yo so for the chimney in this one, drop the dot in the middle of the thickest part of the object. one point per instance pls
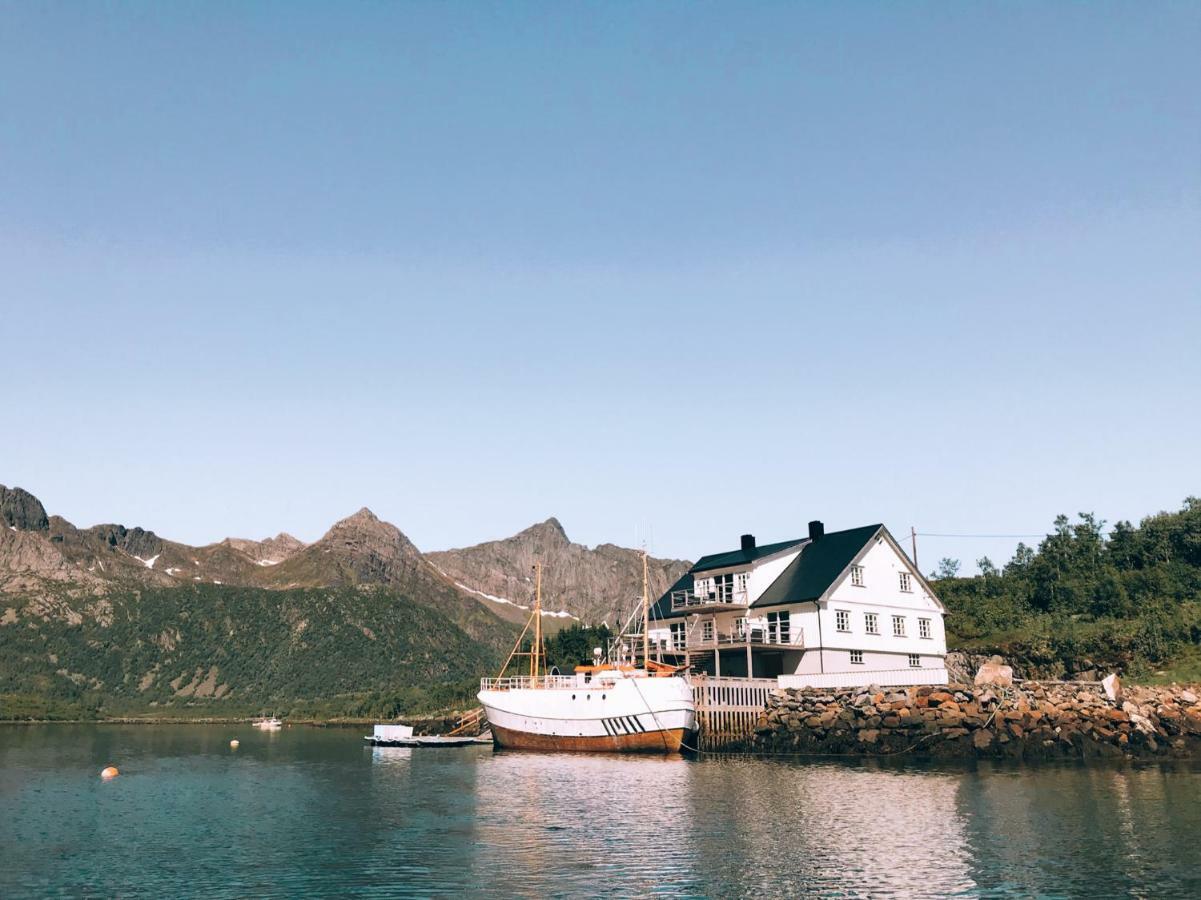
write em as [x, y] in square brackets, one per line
[816, 530]
[748, 543]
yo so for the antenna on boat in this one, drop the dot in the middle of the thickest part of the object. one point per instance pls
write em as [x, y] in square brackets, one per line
[646, 617]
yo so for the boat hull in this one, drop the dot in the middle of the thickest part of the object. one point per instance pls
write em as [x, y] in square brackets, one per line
[615, 714]
[668, 741]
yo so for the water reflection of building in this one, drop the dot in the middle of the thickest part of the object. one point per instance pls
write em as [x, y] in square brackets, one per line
[834, 829]
[573, 824]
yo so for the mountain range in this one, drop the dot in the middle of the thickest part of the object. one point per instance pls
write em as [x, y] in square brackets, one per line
[123, 615]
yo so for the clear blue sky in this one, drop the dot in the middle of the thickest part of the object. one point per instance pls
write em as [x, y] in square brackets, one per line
[685, 270]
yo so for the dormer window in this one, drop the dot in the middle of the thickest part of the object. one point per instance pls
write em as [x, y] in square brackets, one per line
[857, 576]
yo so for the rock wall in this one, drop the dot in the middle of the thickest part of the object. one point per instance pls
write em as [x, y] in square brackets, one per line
[1030, 721]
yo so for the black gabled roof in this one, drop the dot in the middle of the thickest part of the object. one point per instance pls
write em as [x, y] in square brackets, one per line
[818, 565]
[740, 557]
[807, 577]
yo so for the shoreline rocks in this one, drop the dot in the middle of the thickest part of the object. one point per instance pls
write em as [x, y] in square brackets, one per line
[1030, 720]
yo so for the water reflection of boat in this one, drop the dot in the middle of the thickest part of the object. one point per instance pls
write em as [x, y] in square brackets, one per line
[610, 707]
[391, 755]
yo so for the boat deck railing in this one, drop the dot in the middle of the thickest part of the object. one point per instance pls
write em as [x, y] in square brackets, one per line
[521, 682]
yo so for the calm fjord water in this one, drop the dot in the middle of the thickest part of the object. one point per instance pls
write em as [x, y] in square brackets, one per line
[313, 812]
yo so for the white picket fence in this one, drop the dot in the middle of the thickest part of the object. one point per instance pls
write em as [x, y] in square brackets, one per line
[862, 678]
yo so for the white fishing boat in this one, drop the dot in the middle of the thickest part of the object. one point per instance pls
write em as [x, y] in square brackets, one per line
[271, 724]
[607, 707]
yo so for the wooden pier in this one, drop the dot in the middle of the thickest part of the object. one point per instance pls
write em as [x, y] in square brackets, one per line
[727, 710]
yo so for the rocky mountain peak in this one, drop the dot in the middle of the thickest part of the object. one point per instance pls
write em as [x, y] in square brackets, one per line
[285, 541]
[135, 541]
[551, 531]
[593, 584]
[362, 521]
[21, 510]
[268, 551]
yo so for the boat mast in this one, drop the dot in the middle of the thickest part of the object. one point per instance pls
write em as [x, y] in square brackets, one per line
[646, 618]
[536, 650]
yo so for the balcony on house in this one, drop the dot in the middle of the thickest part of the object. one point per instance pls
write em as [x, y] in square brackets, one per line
[719, 595]
[705, 635]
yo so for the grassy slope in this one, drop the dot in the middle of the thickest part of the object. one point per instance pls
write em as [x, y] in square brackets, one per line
[322, 648]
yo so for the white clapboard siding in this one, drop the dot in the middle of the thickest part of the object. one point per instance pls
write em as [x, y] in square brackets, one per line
[862, 678]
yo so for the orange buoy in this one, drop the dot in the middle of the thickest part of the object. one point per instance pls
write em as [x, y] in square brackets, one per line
[109, 772]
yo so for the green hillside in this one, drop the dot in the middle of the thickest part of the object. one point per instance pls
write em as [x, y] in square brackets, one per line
[1085, 599]
[222, 650]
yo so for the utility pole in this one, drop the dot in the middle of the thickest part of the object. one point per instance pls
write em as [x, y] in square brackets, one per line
[913, 537]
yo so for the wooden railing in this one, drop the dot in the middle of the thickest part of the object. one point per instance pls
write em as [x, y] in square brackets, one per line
[720, 597]
[727, 709]
[474, 721]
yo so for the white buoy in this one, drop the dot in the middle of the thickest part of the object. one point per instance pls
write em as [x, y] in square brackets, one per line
[234, 743]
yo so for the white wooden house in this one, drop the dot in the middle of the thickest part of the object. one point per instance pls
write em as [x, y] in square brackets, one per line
[830, 610]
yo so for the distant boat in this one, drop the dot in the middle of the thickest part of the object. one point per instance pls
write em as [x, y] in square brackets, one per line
[271, 724]
[604, 708]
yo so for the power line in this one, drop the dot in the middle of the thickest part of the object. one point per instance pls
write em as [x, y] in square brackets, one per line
[1041, 534]
[933, 534]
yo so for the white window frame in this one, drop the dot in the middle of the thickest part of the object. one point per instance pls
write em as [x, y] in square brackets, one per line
[707, 630]
[857, 576]
[898, 626]
[871, 622]
[906, 582]
[723, 586]
[854, 654]
[842, 620]
[915, 661]
[741, 580]
[924, 629]
[779, 628]
[742, 627]
[679, 635]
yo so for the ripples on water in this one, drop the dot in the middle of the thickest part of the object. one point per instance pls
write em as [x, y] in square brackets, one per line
[311, 811]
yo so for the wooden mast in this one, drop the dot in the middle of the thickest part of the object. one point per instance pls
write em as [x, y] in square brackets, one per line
[536, 650]
[646, 618]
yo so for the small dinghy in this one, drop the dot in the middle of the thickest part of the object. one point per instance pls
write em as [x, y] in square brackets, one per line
[402, 736]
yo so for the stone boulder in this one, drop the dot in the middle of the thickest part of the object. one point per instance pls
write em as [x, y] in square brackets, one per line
[1112, 685]
[995, 672]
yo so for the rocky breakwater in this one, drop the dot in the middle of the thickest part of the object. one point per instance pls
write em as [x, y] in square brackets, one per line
[1031, 720]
